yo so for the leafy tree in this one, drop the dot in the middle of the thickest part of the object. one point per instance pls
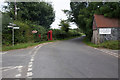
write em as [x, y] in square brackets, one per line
[40, 13]
[6, 32]
[64, 25]
[82, 13]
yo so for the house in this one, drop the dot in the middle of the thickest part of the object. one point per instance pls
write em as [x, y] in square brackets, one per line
[105, 29]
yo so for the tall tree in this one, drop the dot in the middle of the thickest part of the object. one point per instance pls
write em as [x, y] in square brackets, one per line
[82, 13]
[40, 13]
[64, 25]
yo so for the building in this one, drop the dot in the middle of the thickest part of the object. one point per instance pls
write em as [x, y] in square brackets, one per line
[105, 29]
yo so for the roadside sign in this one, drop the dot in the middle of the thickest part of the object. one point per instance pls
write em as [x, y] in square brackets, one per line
[10, 26]
[34, 31]
[15, 27]
[105, 31]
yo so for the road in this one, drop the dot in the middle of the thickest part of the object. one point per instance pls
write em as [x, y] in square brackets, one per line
[61, 59]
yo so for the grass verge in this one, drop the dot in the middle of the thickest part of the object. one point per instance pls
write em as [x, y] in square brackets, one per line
[114, 45]
[22, 45]
[26, 45]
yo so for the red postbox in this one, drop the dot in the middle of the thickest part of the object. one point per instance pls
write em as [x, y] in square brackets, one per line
[39, 36]
[49, 35]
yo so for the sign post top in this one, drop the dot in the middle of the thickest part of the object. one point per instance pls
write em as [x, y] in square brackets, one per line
[34, 31]
[15, 27]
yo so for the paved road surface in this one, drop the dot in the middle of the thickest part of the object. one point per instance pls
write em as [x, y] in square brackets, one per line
[61, 59]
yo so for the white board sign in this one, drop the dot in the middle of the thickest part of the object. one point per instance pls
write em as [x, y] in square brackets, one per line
[34, 31]
[105, 31]
[10, 26]
[15, 27]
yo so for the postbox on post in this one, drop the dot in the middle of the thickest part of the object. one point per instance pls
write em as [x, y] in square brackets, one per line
[49, 35]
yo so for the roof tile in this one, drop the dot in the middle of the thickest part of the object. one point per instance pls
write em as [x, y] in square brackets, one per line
[102, 21]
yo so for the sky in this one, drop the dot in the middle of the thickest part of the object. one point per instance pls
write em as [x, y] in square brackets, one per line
[58, 6]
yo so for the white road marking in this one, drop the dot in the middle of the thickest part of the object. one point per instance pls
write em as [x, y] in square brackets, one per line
[29, 74]
[32, 60]
[29, 69]
[30, 63]
[20, 66]
[29, 66]
[3, 52]
[18, 75]
[10, 68]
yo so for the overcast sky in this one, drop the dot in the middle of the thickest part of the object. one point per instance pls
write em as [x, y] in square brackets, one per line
[58, 6]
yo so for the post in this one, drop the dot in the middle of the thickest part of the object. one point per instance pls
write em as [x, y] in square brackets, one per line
[15, 10]
[13, 36]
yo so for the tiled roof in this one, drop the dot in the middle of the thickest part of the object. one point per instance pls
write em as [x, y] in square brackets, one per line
[102, 21]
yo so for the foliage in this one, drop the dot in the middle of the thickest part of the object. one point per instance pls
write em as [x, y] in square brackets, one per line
[24, 34]
[39, 13]
[22, 45]
[59, 34]
[114, 45]
[6, 32]
[64, 25]
[40, 30]
[82, 13]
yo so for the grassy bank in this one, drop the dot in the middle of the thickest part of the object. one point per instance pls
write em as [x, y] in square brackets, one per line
[25, 45]
[114, 45]
[22, 45]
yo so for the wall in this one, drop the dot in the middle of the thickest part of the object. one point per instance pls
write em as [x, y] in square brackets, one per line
[113, 36]
[95, 37]
[99, 38]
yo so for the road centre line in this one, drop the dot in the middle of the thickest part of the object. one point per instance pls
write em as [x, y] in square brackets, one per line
[3, 52]
[29, 70]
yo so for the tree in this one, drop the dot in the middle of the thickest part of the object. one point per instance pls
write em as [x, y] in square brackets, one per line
[64, 25]
[82, 13]
[6, 32]
[40, 13]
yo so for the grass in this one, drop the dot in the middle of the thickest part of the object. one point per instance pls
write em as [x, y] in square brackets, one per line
[26, 45]
[22, 45]
[114, 45]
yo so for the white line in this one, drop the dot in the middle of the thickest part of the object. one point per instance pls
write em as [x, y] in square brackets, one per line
[32, 59]
[29, 69]
[3, 52]
[20, 66]
[29, 66]
[29, 74]
[10, 69]
[30, 63]
[18, 75]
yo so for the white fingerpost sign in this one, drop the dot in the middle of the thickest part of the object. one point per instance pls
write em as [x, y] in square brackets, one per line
[15, 27]
[104, 30]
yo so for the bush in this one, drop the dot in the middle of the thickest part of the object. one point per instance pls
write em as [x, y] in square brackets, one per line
[59, 34]
[110, 45]
[24, 34]
[40, 30]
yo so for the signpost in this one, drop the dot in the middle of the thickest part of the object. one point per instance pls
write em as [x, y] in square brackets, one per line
[15, 27]
[11, 25]
[34, 31]
[105, 31]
